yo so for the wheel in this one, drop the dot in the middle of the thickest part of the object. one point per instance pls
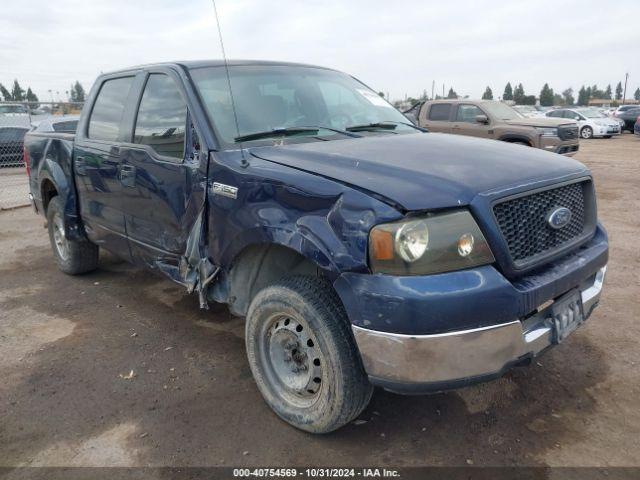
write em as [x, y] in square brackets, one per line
[586, 132]
[303, 355]
[72, 256]
[519, 142]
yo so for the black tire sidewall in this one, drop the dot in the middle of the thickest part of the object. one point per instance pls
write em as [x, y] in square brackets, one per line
[338, 365]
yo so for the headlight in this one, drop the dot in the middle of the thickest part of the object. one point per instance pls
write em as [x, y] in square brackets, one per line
[547, 131]
[425, 245]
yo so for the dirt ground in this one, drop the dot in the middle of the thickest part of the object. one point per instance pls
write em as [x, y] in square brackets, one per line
[69, 345]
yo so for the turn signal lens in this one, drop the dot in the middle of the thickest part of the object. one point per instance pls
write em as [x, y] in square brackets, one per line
[381, 245]
[465, 244]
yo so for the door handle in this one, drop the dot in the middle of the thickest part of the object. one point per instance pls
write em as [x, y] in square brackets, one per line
[128, 175]
[81, 166]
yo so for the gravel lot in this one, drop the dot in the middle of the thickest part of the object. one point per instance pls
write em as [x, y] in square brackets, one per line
[68, 346]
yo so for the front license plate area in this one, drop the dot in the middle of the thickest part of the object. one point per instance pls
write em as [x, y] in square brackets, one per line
[566, 315]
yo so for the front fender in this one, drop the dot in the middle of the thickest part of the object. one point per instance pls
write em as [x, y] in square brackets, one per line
[323, 220]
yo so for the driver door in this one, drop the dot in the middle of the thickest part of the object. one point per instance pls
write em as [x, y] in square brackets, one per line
[464, 122]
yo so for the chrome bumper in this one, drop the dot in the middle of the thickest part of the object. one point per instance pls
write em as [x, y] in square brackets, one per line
[446, 360]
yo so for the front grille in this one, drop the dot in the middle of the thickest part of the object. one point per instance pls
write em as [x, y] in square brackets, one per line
[524, 224]
[567, 132]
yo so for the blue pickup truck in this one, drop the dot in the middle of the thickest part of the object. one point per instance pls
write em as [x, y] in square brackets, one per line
[361, 249]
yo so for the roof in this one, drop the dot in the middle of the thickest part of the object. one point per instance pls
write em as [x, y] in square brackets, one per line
[190, 64]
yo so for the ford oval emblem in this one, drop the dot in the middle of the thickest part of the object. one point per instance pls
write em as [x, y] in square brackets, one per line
[559, 218]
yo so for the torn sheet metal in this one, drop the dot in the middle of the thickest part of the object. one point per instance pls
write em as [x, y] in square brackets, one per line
[195, 271]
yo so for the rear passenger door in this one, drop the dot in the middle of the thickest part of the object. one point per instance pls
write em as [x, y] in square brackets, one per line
[97, 165]
[436, 117]
[161, 180]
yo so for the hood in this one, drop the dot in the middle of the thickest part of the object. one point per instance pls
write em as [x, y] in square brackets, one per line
[424, 170]
[539, 121]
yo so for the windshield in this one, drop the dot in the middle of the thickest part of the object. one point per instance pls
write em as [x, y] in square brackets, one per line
[12, 109]
[590, 113]
[278, 97]
[502, 111]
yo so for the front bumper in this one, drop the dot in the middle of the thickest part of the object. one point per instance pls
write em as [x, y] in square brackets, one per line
[423, 363]
[601, 131]
[557, 145]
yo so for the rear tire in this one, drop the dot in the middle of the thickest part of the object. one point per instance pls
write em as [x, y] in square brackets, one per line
[72, 256]
[586, 133]
[303, 355]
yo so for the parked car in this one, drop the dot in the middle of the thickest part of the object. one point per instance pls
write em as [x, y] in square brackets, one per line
[529, 111]
[628, 116]
[14, 115]
[624, 108]
[57, 123]
[636, 127]
[11, 146]
[497, 120]
[361, 250]
[591, 122]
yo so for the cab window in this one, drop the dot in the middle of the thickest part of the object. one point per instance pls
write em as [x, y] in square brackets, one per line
[467, 113]
[440, 112]
[162, 117]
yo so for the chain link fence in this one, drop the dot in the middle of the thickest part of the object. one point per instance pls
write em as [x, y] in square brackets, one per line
[16, 119]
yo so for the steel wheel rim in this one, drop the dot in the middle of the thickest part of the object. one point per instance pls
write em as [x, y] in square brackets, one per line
[292, 359]
[59, 237]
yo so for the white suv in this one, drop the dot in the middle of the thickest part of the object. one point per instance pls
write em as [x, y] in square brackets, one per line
[591, 122]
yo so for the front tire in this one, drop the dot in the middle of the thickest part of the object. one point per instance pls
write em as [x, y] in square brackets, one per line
[303, 355]
[72, 256]
[586, 133]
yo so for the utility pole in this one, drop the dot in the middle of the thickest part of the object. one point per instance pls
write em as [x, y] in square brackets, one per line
[624, 95]
[443, 90]
[433, 86]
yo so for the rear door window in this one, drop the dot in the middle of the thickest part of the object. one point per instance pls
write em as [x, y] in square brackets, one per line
[107, 112]
[162, 117]
[440, 112]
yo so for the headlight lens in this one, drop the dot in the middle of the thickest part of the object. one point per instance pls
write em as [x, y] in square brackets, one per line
[411, 240]
[547, 131]
[425, 245]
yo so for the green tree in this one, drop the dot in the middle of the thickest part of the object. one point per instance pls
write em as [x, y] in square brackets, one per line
[17, 93]
[518, 94]
[488, 94]
[595, 92]
[607, 92]
[32, 98]
[6, 94]
[558, 99]
[583, 96]
[508, 92]
[568, 96]
[76, 93]
[452, 93]
[636, 95]
[619, 91]
[546, 96]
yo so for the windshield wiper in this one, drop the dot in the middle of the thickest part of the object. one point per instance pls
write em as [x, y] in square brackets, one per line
[385, 125]
[277, 132]
[290, 131]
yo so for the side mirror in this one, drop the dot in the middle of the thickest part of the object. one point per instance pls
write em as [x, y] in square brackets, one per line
[482, 119]
[576, 117]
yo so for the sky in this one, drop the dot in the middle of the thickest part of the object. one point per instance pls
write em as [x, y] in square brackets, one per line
[398, 47]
